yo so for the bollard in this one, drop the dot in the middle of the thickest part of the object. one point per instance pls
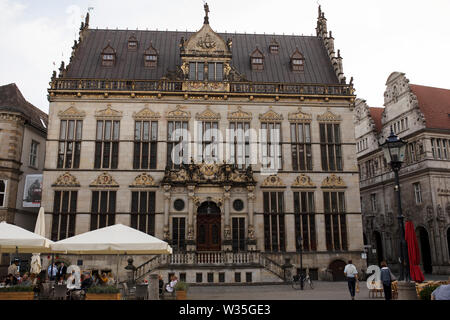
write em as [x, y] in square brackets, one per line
[407, 290]
[153, 287]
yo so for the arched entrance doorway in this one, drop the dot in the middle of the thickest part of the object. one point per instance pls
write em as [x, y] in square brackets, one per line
[425, 251]
[208, 227]
[379, 246]
[337, 269]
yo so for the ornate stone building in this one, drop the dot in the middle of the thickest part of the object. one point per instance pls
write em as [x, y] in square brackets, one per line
[421, 116]
[23, 129]
[131, 103]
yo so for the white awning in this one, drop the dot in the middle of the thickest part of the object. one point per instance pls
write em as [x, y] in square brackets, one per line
[16, 239]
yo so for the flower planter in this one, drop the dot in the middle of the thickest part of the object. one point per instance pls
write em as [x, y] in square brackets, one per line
[17, 295]
[103, 296]
[180, 294]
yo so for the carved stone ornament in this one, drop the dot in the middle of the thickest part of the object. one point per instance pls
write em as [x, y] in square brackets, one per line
[206, 42]
[271, 115]
[108, 113]
[227, 232]
[303, 181]
[333, 181]
[166, 233]
[143, 180]
[429, 216]
[178, 114]
[71, 113]
[190, 233]
[66, 180]
[240, 115]
[105, 180]
[299, 116]
[251, 232]
[273, 182]
[146, 114]
[329, 116]
[208, 114]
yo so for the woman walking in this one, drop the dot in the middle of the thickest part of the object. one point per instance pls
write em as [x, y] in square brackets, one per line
[386, 278]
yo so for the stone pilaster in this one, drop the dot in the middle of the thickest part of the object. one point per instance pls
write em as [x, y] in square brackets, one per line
[251, 239]
[166, 211]
[227, 241]
[190, 243]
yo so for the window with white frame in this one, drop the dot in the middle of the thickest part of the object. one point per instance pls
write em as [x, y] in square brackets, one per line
[33, 153]
[417, 193]
[3, 184]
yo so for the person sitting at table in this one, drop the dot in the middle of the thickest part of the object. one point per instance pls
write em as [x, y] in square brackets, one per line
[87, 281]
[95, 279]
[110, 279]
[171, 286]
[104, 279]
[26, 282]
[11, 280]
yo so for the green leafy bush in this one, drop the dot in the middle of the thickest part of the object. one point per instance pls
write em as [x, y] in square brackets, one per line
[181, 286]
[103, 289]
[17, 289]
[425, 294]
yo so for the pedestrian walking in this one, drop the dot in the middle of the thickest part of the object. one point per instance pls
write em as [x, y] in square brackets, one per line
[352, 275]
[386, 278]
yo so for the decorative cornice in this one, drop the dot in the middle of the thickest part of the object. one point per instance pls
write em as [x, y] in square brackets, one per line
[207, 114]
[299, 116]
[178, 114]
[72, 113]
[333, 181]
[146, 114]
[143, 181]
[271, 115]
[329, 116]
[105, 180]
[108, 113]
[273, 182]
[66, 180]
[240, 115]
[303, 181]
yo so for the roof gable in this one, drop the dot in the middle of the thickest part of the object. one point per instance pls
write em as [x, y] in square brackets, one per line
[434, 103]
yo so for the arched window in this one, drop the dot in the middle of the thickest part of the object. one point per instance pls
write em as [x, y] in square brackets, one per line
[132, 43]
[297, 61]
[150, 57]
[108, 56]
[257, 60]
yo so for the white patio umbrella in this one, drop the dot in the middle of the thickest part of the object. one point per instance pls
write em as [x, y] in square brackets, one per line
[39, 229]
[117, 239]
[16, 239]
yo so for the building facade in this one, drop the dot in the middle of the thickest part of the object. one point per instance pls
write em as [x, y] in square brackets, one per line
[131, 104]
[23, 130]
[419, 115]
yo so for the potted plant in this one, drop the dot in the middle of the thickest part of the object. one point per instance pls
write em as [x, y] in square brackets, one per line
[180, 290]
[425, 293]
[17, 293]
[103, 293]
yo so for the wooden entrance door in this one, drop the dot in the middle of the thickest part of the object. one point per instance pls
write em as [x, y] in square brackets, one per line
[337, 269]
[208, 232]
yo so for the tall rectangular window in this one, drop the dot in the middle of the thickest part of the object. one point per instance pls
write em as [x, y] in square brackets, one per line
[107, 144]
[145, 144]
[274, 230]
[177, 143]
[330, 147]
[301, 146]
[417, 193]
[64, 213]
[215, 71]
[240, 144]
[69, 147]
[445, 148]
[207, 141]
[34, 153]
[179, 234]
[305, 220]
[335, 221]
[143, 211]
[238, 234]
[271, 145]
[3, 185]
[196, 71]
[103, 209]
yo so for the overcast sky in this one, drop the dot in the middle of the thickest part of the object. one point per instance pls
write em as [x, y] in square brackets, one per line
[375, 37]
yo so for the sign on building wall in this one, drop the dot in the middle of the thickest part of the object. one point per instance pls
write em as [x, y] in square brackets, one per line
[32, 192]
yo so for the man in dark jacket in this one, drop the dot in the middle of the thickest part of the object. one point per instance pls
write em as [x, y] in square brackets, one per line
[62, 270]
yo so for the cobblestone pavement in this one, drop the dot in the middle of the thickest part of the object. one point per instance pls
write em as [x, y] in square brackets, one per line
[323, 290]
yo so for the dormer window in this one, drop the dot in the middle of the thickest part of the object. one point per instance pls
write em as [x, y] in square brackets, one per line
[297, 61]
[132, 43]
[257, 60]
[108, 56]
[274, 47]
[150, 57]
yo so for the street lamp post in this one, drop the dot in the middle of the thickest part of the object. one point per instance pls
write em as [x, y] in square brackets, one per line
[299, 245]
[394, 153]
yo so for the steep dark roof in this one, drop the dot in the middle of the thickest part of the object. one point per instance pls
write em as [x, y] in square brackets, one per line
[12, 100]
[434, 104]
[376, 114]
[129, 64]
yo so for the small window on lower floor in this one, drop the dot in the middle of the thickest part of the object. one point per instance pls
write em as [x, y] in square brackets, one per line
[3, 193]
[237, 277]
[169, 276]
[183, 277]
[248, 277]
[199, 277]
[210, 277]
[221, 276]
